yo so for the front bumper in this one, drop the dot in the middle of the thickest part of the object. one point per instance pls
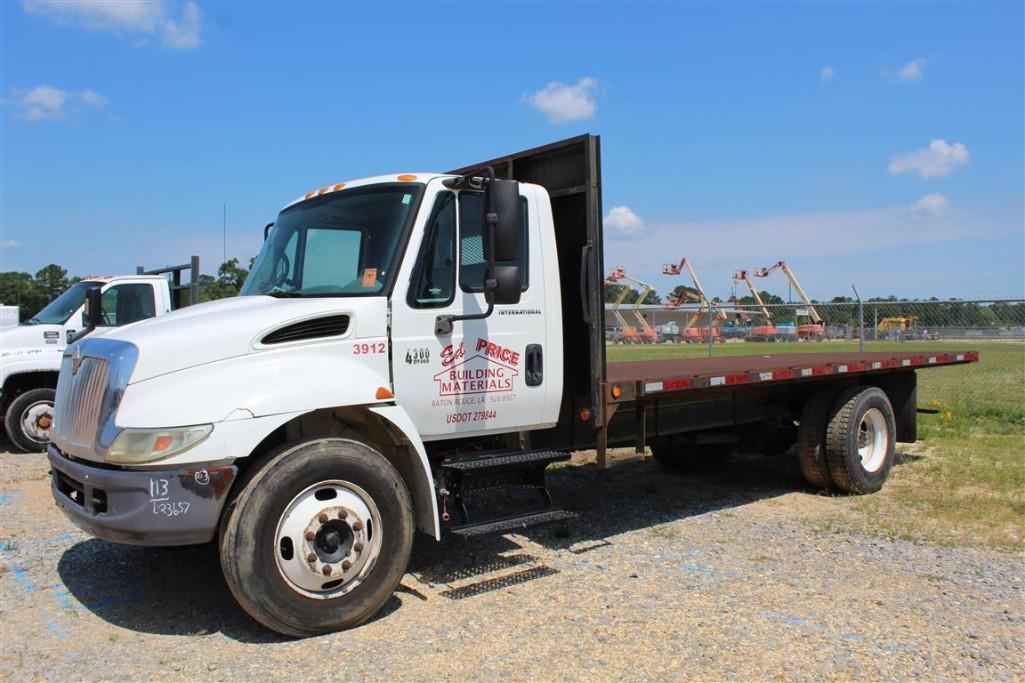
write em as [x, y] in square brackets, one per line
[178, 506]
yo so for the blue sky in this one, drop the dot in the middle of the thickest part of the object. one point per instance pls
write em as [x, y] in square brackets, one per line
[875, 144]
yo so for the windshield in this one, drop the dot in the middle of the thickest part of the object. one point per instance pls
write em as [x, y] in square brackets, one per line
[343, 244]
[60, 309]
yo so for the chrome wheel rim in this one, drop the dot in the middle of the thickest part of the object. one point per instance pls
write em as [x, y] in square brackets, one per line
[37, 420]
[873, 440]
[328, 539]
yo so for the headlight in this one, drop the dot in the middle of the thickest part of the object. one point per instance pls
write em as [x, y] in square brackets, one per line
[134, 446]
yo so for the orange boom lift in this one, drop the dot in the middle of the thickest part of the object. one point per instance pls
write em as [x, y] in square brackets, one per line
[766, 332]
[630, 334]
[690, 333]
[814, 331]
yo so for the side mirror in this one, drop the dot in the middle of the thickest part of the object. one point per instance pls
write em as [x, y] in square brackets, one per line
[93, 315]
[266, 231]
[504, 203]
[503, 286]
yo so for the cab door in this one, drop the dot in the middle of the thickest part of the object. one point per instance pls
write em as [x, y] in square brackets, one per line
[486, 375]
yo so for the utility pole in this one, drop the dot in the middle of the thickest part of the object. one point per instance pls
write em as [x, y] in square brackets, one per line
[224, 233]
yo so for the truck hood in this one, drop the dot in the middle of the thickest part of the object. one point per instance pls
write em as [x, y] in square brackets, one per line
[228, 328]
[16, 341]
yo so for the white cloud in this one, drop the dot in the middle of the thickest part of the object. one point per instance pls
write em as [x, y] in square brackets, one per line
[9, 244]
[827, 73]
[564, 103]
[939, 159]
[624, 220]
[176, 29]
[912, 71]
[47, 103]
[930, 206]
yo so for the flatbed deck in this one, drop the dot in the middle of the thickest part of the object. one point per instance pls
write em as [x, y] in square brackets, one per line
[647, 377]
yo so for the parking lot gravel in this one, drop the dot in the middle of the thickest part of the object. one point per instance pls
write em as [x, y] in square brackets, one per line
[724, 576]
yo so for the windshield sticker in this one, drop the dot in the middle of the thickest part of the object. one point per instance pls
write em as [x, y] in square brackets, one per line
[369, 277]
[407, 198]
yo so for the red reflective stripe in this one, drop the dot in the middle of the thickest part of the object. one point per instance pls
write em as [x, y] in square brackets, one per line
[890, 363]
[737, 379]
[782, 374]
[671, 384]
[972, 355]
[855, 367]
[918, 360]
[822, 370]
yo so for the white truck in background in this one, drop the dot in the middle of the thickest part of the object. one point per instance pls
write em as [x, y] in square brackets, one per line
[30, 353]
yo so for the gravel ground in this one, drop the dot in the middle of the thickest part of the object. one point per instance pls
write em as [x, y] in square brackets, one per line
[732, 575]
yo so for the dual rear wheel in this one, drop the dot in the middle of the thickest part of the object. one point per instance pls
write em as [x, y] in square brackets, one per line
[847, 441]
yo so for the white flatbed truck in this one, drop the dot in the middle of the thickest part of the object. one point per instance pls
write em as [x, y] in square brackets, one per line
[30, 353]
[401, 343]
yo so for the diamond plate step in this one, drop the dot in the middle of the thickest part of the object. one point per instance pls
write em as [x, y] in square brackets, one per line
[514, 523]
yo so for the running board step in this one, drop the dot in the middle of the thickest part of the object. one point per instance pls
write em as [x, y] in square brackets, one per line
[513, 461]
[514, 523]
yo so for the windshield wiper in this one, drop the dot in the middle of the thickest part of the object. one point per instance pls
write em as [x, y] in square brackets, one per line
[282, 294]
[33, 321]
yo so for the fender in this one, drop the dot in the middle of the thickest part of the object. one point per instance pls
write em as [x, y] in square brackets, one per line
[423, 497]
[25, 361]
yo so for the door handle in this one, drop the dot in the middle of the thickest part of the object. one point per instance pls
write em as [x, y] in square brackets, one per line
[534, 365]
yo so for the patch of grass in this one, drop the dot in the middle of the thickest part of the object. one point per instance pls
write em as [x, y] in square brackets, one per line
[968, 489]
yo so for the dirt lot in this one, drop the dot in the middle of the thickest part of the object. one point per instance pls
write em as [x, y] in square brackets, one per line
[741, 574]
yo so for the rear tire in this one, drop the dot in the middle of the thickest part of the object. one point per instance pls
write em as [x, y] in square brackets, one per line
[319, 538]
[811, 440]
[860, 440]
[29, 419]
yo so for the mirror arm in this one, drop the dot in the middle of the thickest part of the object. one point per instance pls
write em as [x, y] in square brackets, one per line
[443, 324]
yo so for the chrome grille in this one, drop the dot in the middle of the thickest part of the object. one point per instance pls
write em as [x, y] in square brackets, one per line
[76, 419]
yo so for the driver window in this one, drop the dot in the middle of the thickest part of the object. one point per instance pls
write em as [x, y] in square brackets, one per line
[128, 303]
[433, 281]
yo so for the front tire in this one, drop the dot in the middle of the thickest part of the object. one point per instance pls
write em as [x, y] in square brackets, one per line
[319, 538]
[860, 440]
[29, 419]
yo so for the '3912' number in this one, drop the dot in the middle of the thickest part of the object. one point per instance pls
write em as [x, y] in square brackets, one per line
[365, 348]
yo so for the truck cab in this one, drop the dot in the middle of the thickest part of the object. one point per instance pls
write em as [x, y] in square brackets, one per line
[30, 353]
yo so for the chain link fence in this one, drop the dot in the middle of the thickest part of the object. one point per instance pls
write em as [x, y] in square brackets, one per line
[993, 387]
